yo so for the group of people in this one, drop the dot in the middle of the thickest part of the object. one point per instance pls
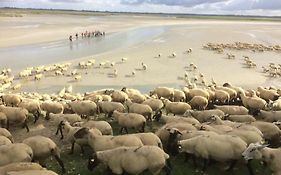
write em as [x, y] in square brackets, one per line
[87, 34]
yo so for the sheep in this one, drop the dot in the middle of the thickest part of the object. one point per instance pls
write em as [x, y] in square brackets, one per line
[170, 119]
[16, 115]
[164, 92]
[198, 102]
[17, 152]
[71, 118]
[42, 148]
[152, 158]
[83, 108]
[134, 95]
[203, 116]
[33, 107]
[179, 96]
[271, 156]
[270, 131]
[4, 141]
[196, 92]
[51, 107]
[149, 138]
[220, 95]
[129, 120]
[275, 105]
[33, 172]
[270, 116]
[103, 126]
[6, 133]
[268, 94]
[240, 118]
[124, 59]
[176, 108]
[3, 119]
[11, 99]
[249, 136]
[144, 66]
[233, 110]
[142, 109]
[232, 93]
[77, 77]
[253, 103]
[119, 96]
[38, 76]
[214, 147]
[19, 166]
[108, 107]
[155, 104]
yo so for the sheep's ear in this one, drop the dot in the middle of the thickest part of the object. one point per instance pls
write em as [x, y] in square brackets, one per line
[262, 146]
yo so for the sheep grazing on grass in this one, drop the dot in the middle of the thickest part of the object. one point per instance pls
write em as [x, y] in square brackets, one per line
[42, 148]
[18, 152]
[271, 156]
[130, 120]
[127, 159]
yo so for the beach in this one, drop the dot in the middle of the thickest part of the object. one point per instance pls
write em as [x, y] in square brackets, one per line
[140, 39]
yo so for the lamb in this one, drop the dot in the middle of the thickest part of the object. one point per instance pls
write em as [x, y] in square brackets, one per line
[103, 126]
[240, 118]
[84, 108]
[203, 116]
[18, 152]
[142, 109]
[164, 92]
[16, 115]
[130, 120]
[214, 146]
[176, 108]
[119, 96]
[6, 133]
[268, 94]
[152, 158]
[4, 141]
[11, 99]
[51, 107]
[109, 107]
[270, 116]
[42, 148]
[33, 107]
[155, 104]
[170, 119]
[198, 102]
[232, 110]
[19, 166]
[271, 156]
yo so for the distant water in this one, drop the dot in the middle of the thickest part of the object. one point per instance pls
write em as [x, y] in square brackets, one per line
[19, 57]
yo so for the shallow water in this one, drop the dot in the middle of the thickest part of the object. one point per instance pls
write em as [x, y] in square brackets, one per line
[64, 50]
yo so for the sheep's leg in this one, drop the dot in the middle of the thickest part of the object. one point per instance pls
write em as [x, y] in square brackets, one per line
[186, 157]
[25, 125]
[205, 164]
[143, 126]
[8, 125]
[121, 130]
[194, 161]
[126, 130]
[60, 163]
[233, 163]
[61, 133]
[82, 149]
[72, 148]
[47, 116]
[250, 169]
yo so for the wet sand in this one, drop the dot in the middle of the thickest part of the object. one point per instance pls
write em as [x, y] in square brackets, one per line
[178, 35]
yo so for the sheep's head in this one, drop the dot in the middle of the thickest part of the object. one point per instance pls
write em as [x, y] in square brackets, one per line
[157, 116]
[93, 162]
[253, 151]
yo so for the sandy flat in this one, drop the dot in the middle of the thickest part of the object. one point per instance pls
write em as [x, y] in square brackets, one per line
[179, 35]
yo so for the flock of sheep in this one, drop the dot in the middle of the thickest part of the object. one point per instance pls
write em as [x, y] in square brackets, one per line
[222, 123]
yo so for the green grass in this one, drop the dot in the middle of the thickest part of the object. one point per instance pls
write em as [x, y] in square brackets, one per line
[77, 163]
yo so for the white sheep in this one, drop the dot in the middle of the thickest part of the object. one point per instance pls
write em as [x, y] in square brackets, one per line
[18, 152]
[38, 76]
[15, 115]
[129, 120]
[103, 126]
[214, 147]
[198, 102]
[232, 109]
[249, 136]
[152, 157]
[3, 119]
[84, 108]
[170, 119]
[142, 109]
[176, 108]
[19, 166]
[108, 107]
[77, 77]
[134, 95]
[232, 93]
[51, 107]
[270, 116]
[268, 94]
[71, 118]
[149, 138]
[196, 92]
[155, 104]
[179, 96]
[203, 116]
[164, 92]
[6, 133]
[4, 141]
[275, 105]
[271, 156]
[42, 148]
[119, 96]
[32, 106]
[11, 99]
[240, 118]
[253, 103]
[220, 95]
